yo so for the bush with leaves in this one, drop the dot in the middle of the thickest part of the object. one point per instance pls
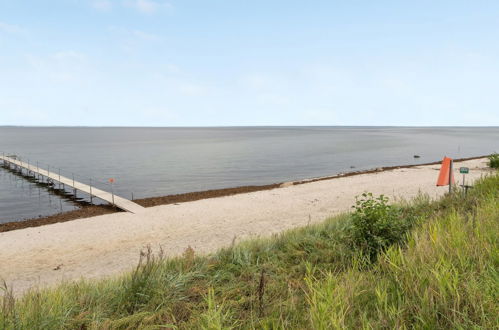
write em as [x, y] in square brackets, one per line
[494, 160]
[375, 224]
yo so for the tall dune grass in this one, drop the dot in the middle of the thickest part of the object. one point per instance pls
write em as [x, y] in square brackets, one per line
[443, 274]
[445, 277]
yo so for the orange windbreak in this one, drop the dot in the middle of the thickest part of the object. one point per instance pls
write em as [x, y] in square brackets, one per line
[443, 177]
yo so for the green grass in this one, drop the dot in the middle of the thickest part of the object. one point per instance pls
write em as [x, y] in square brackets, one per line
[445, 277]
[441, 274]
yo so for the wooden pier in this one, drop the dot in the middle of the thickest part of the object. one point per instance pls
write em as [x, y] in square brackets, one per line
[110, 197]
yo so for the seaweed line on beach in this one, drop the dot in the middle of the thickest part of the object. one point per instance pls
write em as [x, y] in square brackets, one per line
[86, 211]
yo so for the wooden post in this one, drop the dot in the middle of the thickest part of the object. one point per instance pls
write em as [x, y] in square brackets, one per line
[90, 190]
[450, 175]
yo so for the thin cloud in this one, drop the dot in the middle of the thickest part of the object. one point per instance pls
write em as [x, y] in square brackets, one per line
[69, 55]
[11, 28]
[142, 6]
[131, 37]
[145, 36]
[148, 6]
[102, 5]
[59, 67]
[191, 89]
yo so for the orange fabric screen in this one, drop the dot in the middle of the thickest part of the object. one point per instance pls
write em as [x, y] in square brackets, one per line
[443, 177]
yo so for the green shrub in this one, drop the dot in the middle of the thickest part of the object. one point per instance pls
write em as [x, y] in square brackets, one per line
[375, 224]
[494, 160]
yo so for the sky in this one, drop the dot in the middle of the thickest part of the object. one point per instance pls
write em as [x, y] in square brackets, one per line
[243, 63]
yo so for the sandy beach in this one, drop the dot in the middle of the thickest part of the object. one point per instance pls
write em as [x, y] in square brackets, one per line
[108, 244]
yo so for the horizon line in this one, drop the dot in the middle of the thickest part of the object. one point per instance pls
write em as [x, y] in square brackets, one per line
[249, 126]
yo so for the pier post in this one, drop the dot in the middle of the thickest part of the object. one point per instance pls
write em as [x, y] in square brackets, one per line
[90, 190]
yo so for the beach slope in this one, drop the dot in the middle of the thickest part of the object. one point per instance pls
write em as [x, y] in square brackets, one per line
[109, 244]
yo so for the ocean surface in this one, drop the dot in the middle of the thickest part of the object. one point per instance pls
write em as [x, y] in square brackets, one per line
[149, 162]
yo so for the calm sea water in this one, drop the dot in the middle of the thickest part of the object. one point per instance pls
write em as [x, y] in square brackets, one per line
[160, 161]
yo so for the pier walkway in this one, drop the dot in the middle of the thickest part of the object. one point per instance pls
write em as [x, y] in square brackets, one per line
[109, 197]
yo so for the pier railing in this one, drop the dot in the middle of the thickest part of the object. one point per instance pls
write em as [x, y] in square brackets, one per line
[52, 175]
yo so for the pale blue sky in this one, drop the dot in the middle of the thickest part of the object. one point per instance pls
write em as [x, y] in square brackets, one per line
[218, 63]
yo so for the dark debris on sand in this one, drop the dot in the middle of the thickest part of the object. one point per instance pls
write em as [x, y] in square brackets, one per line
[87, 211]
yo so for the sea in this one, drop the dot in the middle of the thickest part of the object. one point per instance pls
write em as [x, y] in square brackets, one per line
[148, 162]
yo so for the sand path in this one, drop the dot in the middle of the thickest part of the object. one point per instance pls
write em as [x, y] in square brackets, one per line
[108, 244]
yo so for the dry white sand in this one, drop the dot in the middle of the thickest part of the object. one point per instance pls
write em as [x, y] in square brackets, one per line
[109, 244]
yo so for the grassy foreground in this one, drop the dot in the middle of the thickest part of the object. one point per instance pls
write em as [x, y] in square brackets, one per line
[438, 270]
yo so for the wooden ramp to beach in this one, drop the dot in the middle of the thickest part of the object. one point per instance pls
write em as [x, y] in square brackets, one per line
[111, 198]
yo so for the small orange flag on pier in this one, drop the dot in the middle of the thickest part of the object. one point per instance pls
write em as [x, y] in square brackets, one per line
[443, 177]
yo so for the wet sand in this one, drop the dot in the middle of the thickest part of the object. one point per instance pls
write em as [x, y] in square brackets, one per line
[108, 244]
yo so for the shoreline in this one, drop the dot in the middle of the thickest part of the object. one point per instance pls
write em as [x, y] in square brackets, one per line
[105, 245]
[87, 211]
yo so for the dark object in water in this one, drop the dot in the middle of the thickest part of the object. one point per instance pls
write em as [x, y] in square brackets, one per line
[352, 166]
[417, 156]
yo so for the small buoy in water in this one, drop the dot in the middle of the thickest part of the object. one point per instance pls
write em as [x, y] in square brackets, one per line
[416, 156]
